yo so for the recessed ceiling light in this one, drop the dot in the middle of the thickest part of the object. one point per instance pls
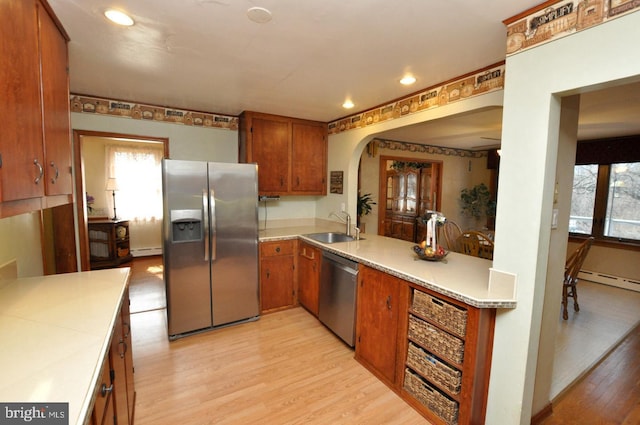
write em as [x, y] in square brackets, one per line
[348, 104]
[259, 15]
[408, 80]
[118, 17]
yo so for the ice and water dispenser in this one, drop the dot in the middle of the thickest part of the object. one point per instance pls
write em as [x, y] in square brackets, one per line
[186, 226]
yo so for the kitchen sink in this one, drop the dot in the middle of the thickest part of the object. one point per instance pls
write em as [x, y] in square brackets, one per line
[331, 237]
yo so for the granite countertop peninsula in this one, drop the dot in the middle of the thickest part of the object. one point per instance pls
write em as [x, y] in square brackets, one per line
[460, 277]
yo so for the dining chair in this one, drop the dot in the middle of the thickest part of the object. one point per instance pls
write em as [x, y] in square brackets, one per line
[451, 232]
[571, 270]
[476, 244]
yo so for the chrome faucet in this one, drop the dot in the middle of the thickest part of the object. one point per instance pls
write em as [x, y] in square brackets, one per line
[346, 220]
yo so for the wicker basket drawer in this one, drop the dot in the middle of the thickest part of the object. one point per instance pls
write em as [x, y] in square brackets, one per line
[434, 369]
[449, 316]
[445, 408]
[436, 340]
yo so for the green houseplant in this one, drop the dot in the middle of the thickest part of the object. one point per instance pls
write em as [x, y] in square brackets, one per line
[364, 205]
[476, 202]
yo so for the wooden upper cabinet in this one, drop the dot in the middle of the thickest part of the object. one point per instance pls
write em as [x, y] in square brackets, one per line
[291, 153]
[56, 111]
[270, 149]
[35, 91]
[309, 158]
[21, 134]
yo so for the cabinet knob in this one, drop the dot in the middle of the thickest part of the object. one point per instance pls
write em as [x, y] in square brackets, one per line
[389, 302]
[278, 249]
[106, 390]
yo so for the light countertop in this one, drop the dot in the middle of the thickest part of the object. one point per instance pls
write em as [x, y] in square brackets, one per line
[55, 332]
[461, 277]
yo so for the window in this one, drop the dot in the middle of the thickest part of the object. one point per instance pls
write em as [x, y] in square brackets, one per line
[606, 201]
[137, 168]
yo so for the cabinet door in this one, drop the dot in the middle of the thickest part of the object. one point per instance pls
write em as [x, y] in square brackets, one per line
[117, 355]
[125, 315]
[55, 96]
[377, 321]
[270, 150]
[309, 277]
[103, 412]
[21, 149]
[276, 282]
[308, 158]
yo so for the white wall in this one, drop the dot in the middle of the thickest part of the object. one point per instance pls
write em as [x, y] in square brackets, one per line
[20, 241]
[530, 138]
[185, 142]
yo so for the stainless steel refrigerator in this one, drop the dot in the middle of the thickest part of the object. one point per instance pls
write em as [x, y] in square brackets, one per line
[210, 239]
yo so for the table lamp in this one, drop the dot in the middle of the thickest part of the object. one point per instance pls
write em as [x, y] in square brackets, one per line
[112, 185]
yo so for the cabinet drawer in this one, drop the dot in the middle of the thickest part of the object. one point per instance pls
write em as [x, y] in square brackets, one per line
[436, 340]
[271, 249]
[444, 407]
[447, 315]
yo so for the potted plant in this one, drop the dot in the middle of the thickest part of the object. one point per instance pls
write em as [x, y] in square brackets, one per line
[364, 205]
[476, 202]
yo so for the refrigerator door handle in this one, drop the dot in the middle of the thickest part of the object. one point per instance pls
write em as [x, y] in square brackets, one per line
[214, 230]
[205, 215]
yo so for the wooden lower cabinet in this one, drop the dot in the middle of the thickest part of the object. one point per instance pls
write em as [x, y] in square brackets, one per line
[103, 412]
[115, 395]
[379, 304]
[277, 275]
[432, 350]
[309, 262]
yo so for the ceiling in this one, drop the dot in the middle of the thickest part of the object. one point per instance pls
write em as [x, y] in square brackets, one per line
[206, 55]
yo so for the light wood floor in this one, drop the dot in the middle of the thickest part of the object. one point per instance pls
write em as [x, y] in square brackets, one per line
[287, 368]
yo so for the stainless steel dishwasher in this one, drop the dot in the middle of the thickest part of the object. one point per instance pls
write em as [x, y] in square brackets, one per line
[337, 306]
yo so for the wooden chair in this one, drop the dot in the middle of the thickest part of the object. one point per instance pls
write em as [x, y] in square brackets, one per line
[571, 270]
[451, 232]
[476, 244]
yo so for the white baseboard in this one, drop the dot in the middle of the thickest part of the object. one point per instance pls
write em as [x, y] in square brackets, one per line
[619, 282]
[146, 252]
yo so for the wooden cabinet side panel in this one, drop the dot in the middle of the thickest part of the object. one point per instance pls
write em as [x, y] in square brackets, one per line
[55, 103]
[21, 135]
[477, 365]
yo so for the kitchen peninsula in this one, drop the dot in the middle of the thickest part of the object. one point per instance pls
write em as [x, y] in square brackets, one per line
[460, 277]
[56, 334]
[423, 328]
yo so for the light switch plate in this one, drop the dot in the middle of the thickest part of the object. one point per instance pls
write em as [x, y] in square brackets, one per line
[554, 218]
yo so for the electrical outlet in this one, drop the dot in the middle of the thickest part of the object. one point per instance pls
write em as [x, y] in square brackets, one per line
[342, 207]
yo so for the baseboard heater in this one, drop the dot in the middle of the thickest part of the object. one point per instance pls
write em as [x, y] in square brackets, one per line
[146, 252]
[619, 282]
